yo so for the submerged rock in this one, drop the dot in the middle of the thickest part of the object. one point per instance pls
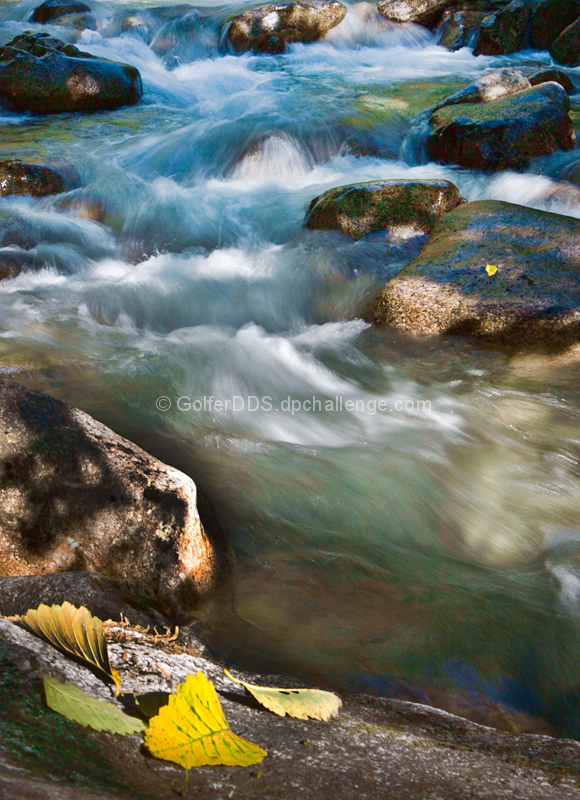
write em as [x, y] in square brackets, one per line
[37, 180]
[395, 206]
[74, 495]
[421, 11]
[566, 48]
[271, 28]
[42, 74]
[144, 23]
[52, 9]
[380, 747]
[550, 19]
[531, 300]
[490, 86]
[502, 133]
[504, 31]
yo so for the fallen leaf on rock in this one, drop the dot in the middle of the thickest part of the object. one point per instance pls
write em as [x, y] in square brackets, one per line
[299, 703]
[191, 730]
[74, 704]
[75, 632]
[150, 703]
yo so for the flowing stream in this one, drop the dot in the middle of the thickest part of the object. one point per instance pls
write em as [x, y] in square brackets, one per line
[405, 514]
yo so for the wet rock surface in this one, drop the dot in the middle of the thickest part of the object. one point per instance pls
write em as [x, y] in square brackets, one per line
[505, 31]
[37, 180]
[550, 19]
[551, 74]
[271, 28]
[393, 206]
[75, 496]
[421, 11]
[502, 133]
[532, 301]
[566, 48]
[490, 86]
[376, 747]
[42, 74]
[52, 9]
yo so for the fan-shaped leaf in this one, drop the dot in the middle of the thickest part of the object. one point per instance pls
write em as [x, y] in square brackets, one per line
[75, 632]
[299, 703]
[191, 730]
[73, 703]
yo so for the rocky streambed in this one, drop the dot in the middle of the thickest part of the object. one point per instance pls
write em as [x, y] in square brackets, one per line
[288, 341]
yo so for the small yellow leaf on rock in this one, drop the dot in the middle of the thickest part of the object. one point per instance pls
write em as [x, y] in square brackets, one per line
[191, 730]
[75, 632]
[73, 703]
[299, 703]
[490, 269]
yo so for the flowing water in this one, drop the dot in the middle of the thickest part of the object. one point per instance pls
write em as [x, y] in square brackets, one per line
[405, 514]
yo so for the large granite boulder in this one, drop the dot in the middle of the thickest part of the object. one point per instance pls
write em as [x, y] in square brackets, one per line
[420, 11]
[529, 298]
[42, 74]
[566, 48]
[380, 748]
[504, 31]
[37, 180]
[503, 133]
[550, 19]
[52, 9]
[393, 206]
[75, 496]
[271, 28]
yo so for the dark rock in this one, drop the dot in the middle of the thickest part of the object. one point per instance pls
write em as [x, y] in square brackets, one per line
[74, 496]
[51, 9]
[505, 31]
[490, 86]
[380, 748]
[503, 133]
[42, 74]
[566, 48]
[106, 598]
[271, 28]
[383, 205]
[421, 11]
[551, 74]
[532, 302]
[459, 28]
[549, 19]
[10, 264]
[35, 179]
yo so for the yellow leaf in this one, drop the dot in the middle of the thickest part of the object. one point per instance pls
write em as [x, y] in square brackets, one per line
[490, 269]
[75, 632]
[191, 730]
[73, 703]
[299, 703]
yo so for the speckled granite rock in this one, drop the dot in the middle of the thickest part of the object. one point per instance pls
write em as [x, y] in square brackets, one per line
[421, 11]
[271, 28]
[531, 302]
[502, 133]
[383, 205]
[74, 496]
[375, 748]
[42, 74]
[504, 31]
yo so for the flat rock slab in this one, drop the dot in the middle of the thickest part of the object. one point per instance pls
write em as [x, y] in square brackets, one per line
[42, 74]
[271, 28]
[375, 748]
[531, 302]
[74, 496]
[396, 206]
[503, 133]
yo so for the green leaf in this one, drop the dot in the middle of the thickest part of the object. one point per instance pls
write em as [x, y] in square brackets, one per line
[191, 730]
[299, 703]
[74, 704]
